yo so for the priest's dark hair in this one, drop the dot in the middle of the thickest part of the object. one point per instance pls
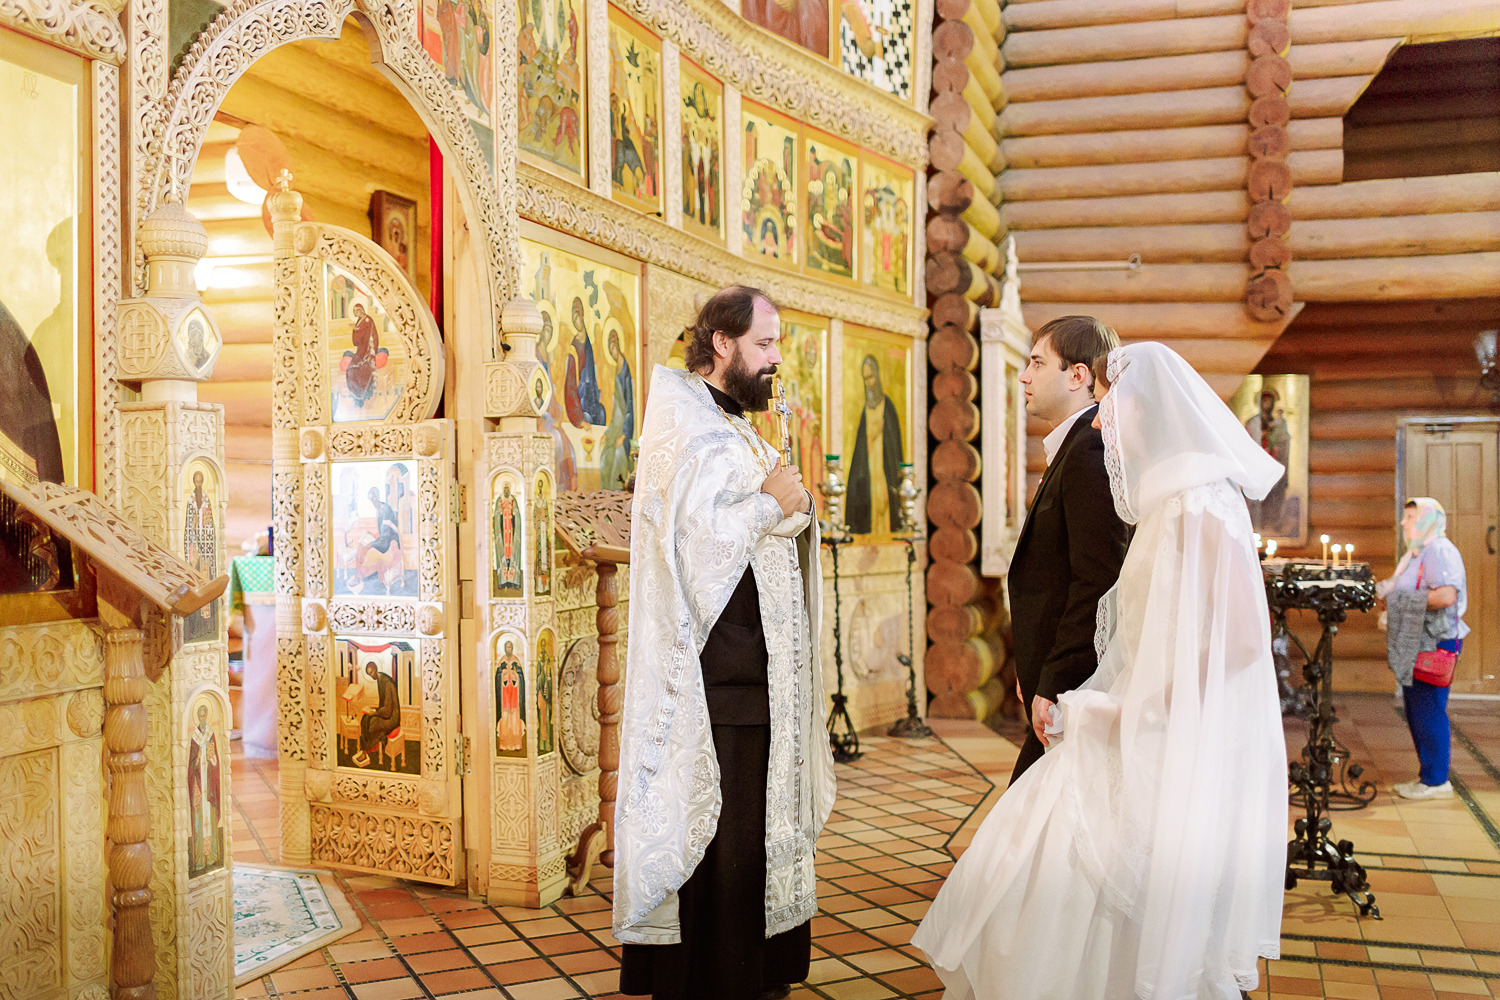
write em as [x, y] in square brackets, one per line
[730, 310]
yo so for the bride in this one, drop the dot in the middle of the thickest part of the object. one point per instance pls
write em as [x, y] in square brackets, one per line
[1144, 855]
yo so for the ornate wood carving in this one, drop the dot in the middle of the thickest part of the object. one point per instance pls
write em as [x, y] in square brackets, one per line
[247, 29]
[560, 205]
[113, 543]
[88, 28]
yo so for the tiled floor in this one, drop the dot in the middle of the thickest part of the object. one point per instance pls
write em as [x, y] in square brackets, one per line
[904, 810]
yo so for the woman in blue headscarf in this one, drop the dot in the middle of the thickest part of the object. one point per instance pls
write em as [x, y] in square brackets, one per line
[1431, 565]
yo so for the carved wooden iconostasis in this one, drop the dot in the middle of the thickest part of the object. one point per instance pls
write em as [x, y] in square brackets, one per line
[590, 173]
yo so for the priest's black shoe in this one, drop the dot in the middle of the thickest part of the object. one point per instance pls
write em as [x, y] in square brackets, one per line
[776, 993]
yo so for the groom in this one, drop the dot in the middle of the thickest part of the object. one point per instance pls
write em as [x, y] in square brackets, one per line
[1073, 542]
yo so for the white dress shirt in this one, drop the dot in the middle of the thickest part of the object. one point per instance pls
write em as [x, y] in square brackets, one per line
[1059, 434]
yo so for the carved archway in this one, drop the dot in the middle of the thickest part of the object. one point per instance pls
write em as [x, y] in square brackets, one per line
[248, 29]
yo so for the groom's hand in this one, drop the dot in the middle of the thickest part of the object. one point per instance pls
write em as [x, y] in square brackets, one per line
[1041, 711]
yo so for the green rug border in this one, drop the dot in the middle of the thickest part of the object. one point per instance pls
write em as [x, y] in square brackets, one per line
[336, 898]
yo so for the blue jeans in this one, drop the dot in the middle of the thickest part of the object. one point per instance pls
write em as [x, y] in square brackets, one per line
[1427, 716]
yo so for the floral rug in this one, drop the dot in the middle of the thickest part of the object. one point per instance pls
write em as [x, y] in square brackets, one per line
[281, 914]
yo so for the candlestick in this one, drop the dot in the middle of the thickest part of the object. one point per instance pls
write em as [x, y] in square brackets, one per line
[1324, 540]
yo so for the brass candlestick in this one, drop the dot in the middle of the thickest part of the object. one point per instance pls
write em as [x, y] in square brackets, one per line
[911, 727]
[842, 736]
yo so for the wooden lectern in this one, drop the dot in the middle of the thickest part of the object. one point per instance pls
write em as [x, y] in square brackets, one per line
[596, 527]
[138, 585]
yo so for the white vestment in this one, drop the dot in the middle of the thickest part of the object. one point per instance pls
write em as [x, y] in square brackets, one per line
[1143, 856]
[698, 520]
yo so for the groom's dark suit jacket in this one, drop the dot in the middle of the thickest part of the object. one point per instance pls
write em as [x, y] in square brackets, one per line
[1067, 557]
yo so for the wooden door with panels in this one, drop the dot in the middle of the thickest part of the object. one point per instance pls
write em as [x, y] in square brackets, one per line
[376, 562]
[1457, 463]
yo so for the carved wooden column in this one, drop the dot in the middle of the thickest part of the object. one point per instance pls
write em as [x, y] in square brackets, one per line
[611, 700]
[133, 959]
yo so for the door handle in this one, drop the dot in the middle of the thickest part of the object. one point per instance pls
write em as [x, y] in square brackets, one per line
[1489, 539]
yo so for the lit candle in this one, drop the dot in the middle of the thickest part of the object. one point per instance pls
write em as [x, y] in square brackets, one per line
[1324, 540]
[1349, 555]
[1257, 539]
[1271, 548]
[1337, 548]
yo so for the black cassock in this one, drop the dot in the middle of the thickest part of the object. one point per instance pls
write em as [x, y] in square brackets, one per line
[724, 954]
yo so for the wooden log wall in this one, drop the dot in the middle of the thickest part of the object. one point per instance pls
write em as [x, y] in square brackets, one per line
[1370, 364]
[963, 268]
[1433, 110]
[1131, 128]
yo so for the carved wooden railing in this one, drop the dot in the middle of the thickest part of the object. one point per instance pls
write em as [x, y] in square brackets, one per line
[596, 527]
[139, 584]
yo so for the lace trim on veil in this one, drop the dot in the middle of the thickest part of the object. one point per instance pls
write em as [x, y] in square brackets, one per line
[1114, 464]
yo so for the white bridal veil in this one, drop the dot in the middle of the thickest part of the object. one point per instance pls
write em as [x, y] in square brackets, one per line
[1144, 856]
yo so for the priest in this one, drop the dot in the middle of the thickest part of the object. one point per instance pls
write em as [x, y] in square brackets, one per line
[725, 773]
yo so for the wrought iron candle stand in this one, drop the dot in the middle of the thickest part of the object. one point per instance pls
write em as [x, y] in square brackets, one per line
[1322, 776]
[911, 727]
[842, 736]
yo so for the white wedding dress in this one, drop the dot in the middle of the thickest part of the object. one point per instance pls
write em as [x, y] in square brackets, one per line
[1144, 855]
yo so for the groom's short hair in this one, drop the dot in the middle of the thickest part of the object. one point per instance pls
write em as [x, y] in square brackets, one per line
[1077, 340]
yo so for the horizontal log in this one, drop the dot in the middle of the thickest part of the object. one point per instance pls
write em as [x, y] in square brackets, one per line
[978, 103]
[243, 363]
[1396, 196]
[1334, 516]
[1156, 145]
[1223, 173]
[1223, 241]
[248, 444]
[360, 94]
[1148, 320]
[1397, 236]
[291, 114]
[1217, 356]
[1189, 72]
[955, 383]
[245, 403]
[1406, 348]
[981, 62]
[949, 192]
[955, 504]
[1358, 368]
[1474, 157]
[1420, 135]
[242, 322]
[1351, 456]
[989, 13]
[1438, 276]
[1475, 102]
[1073, 13]
[1351, 485]
[1449, 395]
[1423, 19]
[1352, 425]
[1477, 313]
[952, 40]
[1157, 283]
[1140, 40]
[947, 234]
[1135, 210]
[1384, 19]
[1319, 98]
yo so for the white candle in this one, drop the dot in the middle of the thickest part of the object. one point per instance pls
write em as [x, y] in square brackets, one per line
[1271, 548]
[1337, 548]
[1324, 540]
[1349, 555]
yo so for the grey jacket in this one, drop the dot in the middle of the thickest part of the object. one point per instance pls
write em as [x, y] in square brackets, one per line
[1407, 633]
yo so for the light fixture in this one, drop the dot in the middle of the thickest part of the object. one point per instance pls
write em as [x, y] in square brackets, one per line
[1489, 369]
[237, 180]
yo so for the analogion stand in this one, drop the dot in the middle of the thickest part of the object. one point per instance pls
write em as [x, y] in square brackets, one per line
[1330, 592]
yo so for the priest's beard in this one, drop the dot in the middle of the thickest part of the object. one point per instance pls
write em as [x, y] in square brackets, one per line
[752, 391]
